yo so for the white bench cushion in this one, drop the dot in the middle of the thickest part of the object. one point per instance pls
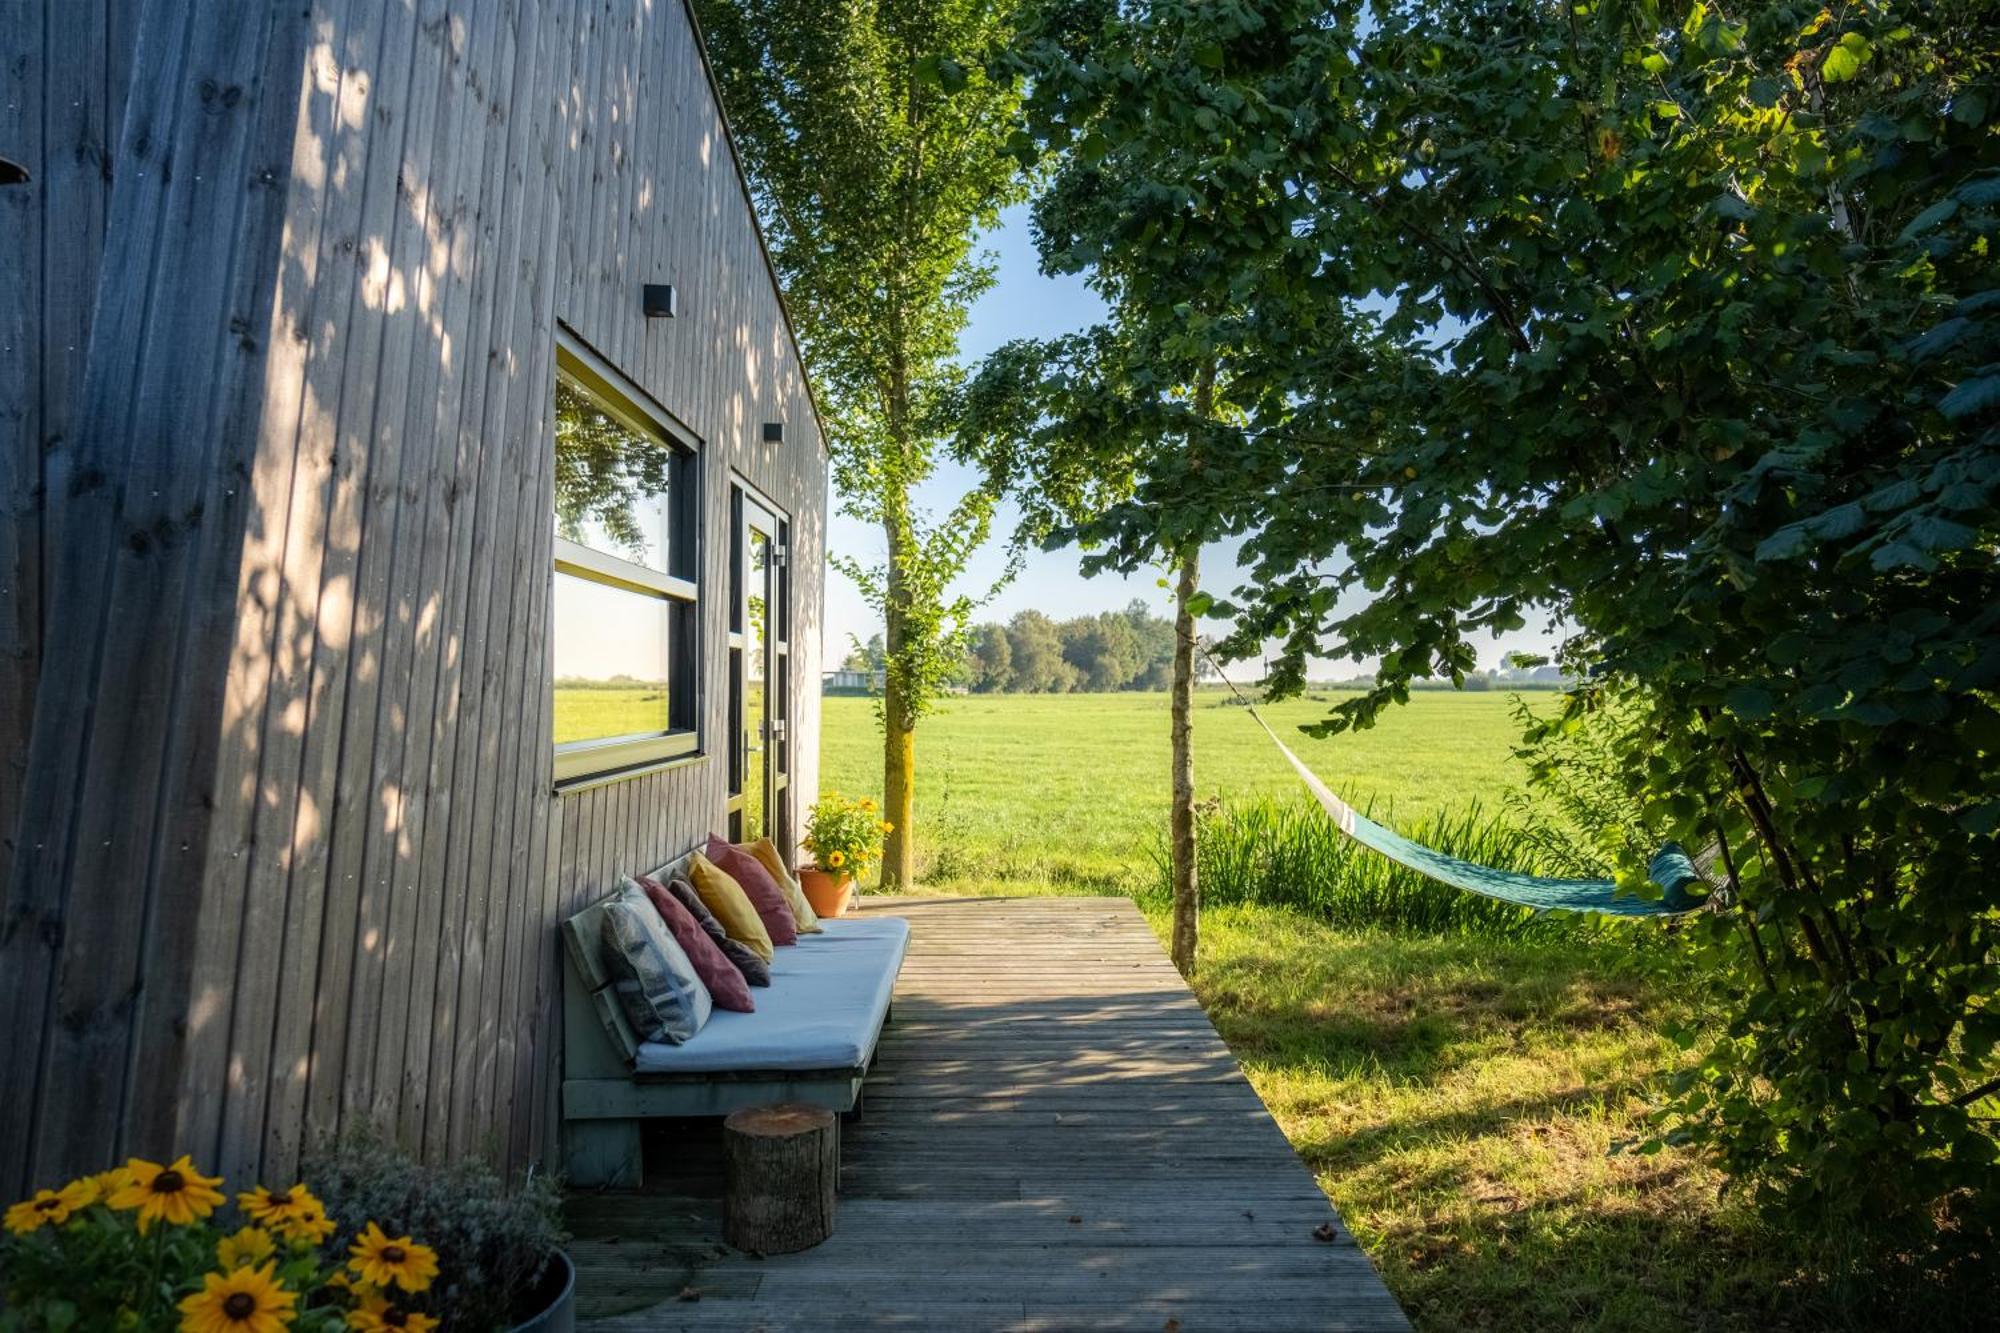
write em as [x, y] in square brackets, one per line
[823, 1009]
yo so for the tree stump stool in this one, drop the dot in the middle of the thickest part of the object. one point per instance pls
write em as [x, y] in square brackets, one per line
[782, 1164]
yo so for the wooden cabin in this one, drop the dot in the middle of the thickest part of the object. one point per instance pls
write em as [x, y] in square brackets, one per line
[412, 512]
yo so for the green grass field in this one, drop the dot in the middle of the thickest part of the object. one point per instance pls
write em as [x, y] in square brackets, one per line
[1071, 789]
[1459, 1097]
[588, 711]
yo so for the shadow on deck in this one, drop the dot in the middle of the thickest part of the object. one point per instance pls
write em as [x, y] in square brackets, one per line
[1054, 1138]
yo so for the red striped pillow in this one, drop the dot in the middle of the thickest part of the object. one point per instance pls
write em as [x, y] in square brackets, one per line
[725, 984]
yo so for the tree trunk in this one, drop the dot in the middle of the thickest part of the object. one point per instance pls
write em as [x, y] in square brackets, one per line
[899, 740]
[1187, 902]
[783, 1163]
[899, 790]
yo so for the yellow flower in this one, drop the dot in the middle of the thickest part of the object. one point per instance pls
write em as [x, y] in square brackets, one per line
[178, 1193]
[108, 1183]
[309, 1227]
[887, 827]
[834, 860]
[293, 1214]
[272, 1206]
[248, 1247]
[381, 1259]
[376, 1315]
[47, 1208]
[249, 1300]
[867, 803]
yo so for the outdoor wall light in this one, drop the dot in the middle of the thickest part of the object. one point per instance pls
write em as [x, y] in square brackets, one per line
[774, 432]
[660, 300]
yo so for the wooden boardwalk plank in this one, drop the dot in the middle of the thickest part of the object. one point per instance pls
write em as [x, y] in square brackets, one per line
[1054, 1137]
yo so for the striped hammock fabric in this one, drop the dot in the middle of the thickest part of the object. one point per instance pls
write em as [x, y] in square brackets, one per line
[1671, 868]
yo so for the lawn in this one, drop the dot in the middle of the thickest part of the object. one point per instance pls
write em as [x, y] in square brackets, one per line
[586, 712]
[1070, 790]
[1458, 1097]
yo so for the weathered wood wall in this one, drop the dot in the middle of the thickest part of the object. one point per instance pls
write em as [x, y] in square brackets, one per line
[314, 881]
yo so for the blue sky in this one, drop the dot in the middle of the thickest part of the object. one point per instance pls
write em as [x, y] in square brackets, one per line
[1024, 304]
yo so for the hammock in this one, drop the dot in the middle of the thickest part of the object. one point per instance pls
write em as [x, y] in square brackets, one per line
[1671, 868]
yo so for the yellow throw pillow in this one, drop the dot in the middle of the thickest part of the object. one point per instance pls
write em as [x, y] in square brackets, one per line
[767, 856]
[721, 894]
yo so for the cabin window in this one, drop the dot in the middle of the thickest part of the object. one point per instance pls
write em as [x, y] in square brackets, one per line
[623, 627]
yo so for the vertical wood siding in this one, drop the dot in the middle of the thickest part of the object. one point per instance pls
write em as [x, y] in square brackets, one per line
[298, 864]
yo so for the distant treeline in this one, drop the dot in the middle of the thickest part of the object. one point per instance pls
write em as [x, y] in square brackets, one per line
[1131, 649]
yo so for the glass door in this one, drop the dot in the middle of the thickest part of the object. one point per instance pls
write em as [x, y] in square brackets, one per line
[759, 651]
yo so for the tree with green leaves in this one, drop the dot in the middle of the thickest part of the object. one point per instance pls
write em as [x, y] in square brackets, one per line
[1125, 111]
[876, 161]
[1679, 325]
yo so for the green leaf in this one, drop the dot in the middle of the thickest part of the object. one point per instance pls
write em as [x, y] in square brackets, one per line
[1930, 217]
[1842, 63]
[1979, 394]
[1750, 701]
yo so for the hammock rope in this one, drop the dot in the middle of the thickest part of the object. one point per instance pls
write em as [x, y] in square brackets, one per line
[1671, 868]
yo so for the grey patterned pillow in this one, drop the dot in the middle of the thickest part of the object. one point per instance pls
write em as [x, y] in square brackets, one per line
[651, 975]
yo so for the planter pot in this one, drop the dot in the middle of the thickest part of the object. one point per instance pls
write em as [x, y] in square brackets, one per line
[555, 1299]
[828, 892]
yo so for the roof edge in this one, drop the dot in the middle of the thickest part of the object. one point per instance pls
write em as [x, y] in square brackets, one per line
[756, 222]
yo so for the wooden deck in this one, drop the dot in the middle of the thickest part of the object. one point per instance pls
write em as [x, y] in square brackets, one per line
[1054, 1138]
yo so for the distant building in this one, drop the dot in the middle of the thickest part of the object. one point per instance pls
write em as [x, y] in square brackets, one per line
[845, 680]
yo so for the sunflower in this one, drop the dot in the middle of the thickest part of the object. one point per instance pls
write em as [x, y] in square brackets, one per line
[177, 1193]
[834, 860]
[376, 1315]
[249, 1300]
[294, 1214]
[245, 1249]
[382, 1259]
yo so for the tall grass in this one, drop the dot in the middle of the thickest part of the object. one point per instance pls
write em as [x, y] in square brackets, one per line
[1289, 854]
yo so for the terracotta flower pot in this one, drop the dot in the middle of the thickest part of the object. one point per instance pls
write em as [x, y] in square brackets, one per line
[828, 891]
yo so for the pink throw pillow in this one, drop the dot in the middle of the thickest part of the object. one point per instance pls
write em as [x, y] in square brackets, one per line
[758, 886]
[725, 984]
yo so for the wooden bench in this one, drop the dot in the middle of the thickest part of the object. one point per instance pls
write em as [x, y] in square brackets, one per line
[612, 1080]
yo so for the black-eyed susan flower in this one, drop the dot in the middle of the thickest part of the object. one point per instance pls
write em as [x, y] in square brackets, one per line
[107, 1183]
[246, 1249]
[835, 860]
[248, 1300]
[46, 1208]
[309, 1226]
[266, 1206]
[381, 1259]
[179, 1194]
[293, 1214]
[377, 1314]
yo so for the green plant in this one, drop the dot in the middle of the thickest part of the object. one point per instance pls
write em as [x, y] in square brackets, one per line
[139, 1249]
[493, 1243]
[845, 836]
